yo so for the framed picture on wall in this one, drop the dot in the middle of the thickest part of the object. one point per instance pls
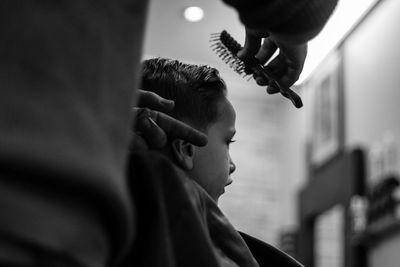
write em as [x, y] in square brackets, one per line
[326, 133]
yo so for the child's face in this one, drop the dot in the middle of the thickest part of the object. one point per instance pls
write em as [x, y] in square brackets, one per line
[212, 164]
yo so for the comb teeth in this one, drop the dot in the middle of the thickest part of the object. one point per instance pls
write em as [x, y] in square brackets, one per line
[227, 48]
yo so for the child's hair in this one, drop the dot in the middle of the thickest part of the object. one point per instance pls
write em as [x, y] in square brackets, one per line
[196, 89]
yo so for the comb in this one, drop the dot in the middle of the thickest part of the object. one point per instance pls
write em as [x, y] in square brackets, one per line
[226, 47]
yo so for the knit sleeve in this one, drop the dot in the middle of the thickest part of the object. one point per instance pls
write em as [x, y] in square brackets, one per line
[285, 17]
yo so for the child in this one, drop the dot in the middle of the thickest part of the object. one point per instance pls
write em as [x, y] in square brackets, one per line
[200, 100]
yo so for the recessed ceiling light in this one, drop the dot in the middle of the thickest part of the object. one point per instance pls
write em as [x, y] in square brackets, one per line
[193, 13]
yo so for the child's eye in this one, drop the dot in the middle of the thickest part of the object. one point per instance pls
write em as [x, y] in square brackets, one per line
[230, 141]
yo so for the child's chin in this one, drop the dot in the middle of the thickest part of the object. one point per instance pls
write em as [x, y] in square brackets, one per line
[222, 192]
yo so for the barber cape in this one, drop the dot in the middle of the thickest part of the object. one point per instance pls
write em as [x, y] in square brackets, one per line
[178, 224]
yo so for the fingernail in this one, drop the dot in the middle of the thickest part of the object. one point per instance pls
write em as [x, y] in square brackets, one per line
[148, 123]
[167, 103]
[152, 123]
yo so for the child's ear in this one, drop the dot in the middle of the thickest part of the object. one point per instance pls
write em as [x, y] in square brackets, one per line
[183, 152]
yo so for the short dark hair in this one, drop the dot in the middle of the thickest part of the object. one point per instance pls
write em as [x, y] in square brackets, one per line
[196, 89]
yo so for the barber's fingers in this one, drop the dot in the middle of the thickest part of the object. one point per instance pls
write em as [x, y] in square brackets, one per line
[156, 126]
[291, 59]
[273, 88]
[138, 143]
[280, 70]
[178, 129]
[266, 51]
[258, 45]
[151, 100]
[252, 44]
[287, 66]
[146, 128]
[285, 71]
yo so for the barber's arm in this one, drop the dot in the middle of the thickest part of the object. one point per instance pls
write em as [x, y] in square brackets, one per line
[152, 127]
[286, 25]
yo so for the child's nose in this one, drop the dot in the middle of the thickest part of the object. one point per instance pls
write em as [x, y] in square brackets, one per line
[232, 167]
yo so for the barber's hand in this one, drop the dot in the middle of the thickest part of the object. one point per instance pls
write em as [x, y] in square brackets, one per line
[152, 126]
[287, 65]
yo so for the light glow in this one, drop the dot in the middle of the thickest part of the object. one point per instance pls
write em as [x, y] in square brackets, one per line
[193, 13]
